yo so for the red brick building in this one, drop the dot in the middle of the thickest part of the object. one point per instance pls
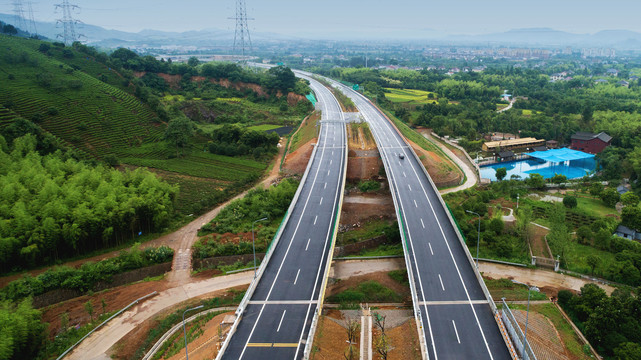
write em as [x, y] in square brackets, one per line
[590, 143]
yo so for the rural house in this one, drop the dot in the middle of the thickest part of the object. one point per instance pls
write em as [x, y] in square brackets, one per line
[589, 142]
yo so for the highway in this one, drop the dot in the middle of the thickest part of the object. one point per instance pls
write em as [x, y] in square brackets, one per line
[276, 322]
[456, 316]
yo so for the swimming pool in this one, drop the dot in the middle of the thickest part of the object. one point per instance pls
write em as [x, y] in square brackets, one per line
[571, 169]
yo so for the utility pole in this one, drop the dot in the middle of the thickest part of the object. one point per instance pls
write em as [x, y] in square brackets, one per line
[242, 39]
[69, 34]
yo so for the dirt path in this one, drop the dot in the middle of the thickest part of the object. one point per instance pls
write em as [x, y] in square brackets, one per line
[470, 174]
[182, 240]
[97, 345]
[537, 277]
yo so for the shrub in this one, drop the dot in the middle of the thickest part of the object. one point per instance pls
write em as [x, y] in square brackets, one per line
[369, 186]
[570, 201]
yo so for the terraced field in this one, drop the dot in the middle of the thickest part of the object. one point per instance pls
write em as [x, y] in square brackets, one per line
[64, 96]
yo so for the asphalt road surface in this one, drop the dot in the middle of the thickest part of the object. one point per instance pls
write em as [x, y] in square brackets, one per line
[458, 322]
[277, 320]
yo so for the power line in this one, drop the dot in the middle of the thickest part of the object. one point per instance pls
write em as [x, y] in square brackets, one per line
[69, 34]
[242, 39]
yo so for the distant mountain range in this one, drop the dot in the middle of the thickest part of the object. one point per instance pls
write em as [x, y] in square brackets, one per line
[544, 37]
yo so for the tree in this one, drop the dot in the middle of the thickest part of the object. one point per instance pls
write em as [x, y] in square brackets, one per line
[596, 189]
[9, 29]
[558, 179]
[584, 234]
[593, 261]
[535, 181]
[569, 201]
[178, 132]
[103, 303]
[282, 78]
[352, 330]
[89, 309]
[610, 197]
[630, 199]
[496, 226]
[501, 173]
[628, 351]
[193, 61]
[631, 217]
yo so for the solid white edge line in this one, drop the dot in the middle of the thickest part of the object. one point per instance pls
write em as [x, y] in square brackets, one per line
[389, 126]
[415, 265]
[260, 313]
[340, 178]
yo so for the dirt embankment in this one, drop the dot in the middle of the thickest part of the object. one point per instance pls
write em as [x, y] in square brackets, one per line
[443, 174]
[114, 299]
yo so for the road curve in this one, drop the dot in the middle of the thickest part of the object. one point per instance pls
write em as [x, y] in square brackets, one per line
[276, 322]
[457, 321]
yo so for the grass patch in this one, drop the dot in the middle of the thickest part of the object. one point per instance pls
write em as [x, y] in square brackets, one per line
[383, 250]
[306, 132]
[265, 127]
[505, 288]
[567, 333]
[368, 230]
[577, 254]
[399, 276]
[368, 291]
[410, 96]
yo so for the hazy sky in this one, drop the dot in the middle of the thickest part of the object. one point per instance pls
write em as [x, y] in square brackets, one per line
[321, 17]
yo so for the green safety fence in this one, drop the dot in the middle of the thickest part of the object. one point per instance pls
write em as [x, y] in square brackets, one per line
[311, 98]
[456, 223]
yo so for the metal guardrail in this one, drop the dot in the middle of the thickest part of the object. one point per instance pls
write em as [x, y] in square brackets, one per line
[177, 327]
[312, 328]
[268, 255]
[516, 333]
[106, 321]
[415, 301]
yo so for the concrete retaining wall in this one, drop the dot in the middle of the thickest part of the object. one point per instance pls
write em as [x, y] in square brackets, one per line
[60, 295]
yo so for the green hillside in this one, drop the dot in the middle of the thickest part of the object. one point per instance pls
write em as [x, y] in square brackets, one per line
[80, 109]
[90, 107]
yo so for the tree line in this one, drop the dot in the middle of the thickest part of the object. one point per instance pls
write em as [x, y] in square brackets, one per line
[53, 207]
[232, 140]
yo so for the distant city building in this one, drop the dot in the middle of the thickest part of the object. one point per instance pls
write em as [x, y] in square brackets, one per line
[589, 142]
[598, 52]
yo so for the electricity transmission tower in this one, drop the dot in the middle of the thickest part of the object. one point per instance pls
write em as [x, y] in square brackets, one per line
[69, 33]
[18, 12]
[242, 39]
[33, 30]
